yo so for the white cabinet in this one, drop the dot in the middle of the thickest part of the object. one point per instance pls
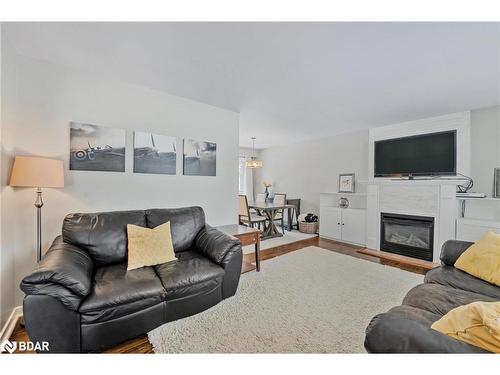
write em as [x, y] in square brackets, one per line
[330, 222]
[473, 229]
[343, 224]
[353, 226]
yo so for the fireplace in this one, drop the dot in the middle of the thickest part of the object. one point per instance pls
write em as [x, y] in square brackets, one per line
[412, 236]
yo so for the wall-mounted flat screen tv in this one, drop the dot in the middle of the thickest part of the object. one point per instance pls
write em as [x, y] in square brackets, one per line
[432, 154]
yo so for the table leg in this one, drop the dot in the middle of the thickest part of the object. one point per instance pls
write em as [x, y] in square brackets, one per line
[257, 254]
[268, 228]
[271, 230]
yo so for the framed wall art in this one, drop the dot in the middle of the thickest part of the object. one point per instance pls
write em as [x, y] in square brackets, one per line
[346, 183]
[96, 148]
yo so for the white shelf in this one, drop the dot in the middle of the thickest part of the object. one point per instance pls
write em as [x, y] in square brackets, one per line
[487, 199]
[344, 208]
[348, 194]
[479, 222]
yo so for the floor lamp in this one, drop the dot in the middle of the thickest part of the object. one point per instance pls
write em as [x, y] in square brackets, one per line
[35, 172]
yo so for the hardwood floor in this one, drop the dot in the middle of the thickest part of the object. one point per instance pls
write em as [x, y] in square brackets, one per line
[142, 345]
[405, 263]
[139, 345]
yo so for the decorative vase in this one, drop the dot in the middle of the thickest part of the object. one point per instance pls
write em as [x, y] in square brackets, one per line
[343, 202]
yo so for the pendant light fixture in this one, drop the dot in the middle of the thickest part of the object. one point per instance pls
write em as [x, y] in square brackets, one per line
[253, 162]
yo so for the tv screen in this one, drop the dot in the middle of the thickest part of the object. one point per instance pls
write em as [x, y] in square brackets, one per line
[420, 155]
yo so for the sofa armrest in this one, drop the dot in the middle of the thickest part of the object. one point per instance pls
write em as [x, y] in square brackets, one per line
[396, 332]
[452, 249]
[65, 272]
[217, 246]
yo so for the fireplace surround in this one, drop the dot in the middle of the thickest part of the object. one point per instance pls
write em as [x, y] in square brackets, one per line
[407, 235]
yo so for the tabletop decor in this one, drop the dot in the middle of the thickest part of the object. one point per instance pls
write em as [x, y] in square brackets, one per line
[343, 202]
[266, 185]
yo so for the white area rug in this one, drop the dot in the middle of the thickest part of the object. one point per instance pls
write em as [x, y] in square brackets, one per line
[289, 237]
[308, 301]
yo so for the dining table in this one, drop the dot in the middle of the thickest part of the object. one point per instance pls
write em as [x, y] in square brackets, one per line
[270, 209]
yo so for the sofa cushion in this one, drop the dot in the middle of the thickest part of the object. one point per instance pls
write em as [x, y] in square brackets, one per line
[190, 275]
[103, 235]
[185, 223]
[482, 259]
[450, 276]
[440, 299]
[117, 292]
[149, 247]
[476, 323]
[407, 329]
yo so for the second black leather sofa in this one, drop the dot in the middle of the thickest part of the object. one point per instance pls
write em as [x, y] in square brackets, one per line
[407, 328]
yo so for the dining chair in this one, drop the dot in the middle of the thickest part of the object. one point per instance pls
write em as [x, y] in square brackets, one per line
[261, 198]
[246, 217]
[280, 199]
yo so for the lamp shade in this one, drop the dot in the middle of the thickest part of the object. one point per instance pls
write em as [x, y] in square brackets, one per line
[37, 172]
[253, 163]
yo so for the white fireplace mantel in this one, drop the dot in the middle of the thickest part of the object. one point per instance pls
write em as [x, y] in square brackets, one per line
[419, 197]
[432, 198]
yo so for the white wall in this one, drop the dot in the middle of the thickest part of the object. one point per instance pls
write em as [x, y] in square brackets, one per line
[303, 170]
[248, 152]
[485, 147]
[485, 156]
[47, 97]
[8, 76]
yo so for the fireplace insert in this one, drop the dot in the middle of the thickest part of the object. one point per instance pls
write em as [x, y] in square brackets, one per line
[412, 236]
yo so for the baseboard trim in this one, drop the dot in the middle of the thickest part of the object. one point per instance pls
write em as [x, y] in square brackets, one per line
[10, 324]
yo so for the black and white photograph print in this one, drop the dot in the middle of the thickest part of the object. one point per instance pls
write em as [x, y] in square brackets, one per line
[96, 148]
[496, 182]
[154, 153]
[200, 158]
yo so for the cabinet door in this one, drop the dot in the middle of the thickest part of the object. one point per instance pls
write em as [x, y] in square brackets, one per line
[353, 226]
[329, 225]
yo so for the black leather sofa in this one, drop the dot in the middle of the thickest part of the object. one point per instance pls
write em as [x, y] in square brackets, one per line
[407, 328]
[81, 298]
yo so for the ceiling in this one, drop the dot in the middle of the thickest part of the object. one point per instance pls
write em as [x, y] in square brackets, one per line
[289, 81]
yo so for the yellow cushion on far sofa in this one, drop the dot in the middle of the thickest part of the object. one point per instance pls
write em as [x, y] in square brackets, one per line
[477, 323]
[482, 259]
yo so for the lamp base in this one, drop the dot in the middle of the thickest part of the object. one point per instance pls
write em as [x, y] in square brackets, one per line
[39, 205]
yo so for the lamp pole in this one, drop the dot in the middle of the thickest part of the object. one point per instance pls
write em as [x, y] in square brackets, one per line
[39, 205]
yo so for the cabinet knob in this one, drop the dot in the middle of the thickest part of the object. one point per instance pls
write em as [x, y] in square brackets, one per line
[338, 223]
[343, 224]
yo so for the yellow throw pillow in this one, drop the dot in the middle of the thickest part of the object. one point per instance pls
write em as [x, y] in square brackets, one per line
[477, 323]
[482, 259]
[148, 247]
